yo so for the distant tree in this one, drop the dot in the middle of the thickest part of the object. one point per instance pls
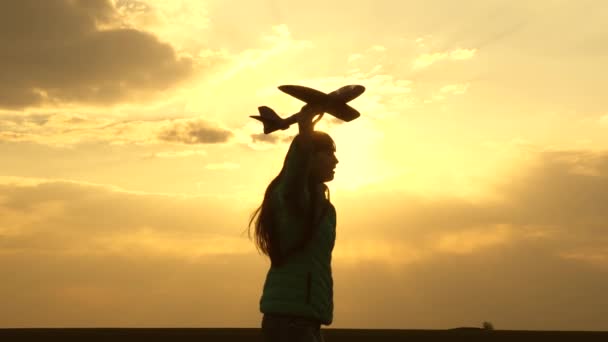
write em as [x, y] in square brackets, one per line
[488, 326]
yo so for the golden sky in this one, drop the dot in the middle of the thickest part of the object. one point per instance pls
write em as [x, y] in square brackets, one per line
[472, 188]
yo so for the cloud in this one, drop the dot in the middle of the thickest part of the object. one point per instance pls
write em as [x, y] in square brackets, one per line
[379, 48]
[416, 262]
[450, 89]
[560, 200]
[56, 129]
[271, 138]
[222, 166]
[427, 59]
[354, 57]
[268, 138]
[280, 42]
[169, 20]
[454, 89]
[59, 208]
[195, 132]
[385, 95]
[387, 92]
[472, 240]
[64, 51]
[179, 154]
[462, 54]
[511, 285]
[33, 119]
[65, 129]
[541, 245]
[566, 189]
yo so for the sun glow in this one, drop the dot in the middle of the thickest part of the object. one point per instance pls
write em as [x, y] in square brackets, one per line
[356, 149]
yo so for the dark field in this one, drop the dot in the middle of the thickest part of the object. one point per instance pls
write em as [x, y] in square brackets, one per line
[331, 335]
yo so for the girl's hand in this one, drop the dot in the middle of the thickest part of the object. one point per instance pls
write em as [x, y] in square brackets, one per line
[305, 123]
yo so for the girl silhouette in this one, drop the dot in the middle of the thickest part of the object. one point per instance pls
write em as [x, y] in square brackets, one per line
[296, 228]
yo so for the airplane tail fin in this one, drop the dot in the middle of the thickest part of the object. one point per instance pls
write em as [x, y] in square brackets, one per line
[271, 120]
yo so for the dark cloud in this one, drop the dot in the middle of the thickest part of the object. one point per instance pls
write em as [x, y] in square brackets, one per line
[267, 138]
[56, 51]
[270, 138]
[195, 132]
[73, 128]
[566, 188]
[37, 119]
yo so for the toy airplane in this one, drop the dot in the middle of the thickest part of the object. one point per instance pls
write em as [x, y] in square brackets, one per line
[333, 103]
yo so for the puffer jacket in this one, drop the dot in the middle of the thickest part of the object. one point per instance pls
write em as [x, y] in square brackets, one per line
[302, 285]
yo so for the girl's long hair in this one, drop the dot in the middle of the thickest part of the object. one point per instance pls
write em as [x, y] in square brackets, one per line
[266, 237]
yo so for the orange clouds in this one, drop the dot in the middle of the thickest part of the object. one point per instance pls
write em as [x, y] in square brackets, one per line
[427, 59]
[194, 132]
[65, 130]
[407, 261]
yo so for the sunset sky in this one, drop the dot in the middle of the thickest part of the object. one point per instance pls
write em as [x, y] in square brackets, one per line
[474, 186]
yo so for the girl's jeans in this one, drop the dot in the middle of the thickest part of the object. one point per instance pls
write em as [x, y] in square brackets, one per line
[284, 328]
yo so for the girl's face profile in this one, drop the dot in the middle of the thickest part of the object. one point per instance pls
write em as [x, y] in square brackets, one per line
[323, 165]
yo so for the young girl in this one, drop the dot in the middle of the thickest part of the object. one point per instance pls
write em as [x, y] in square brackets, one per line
[296, 228]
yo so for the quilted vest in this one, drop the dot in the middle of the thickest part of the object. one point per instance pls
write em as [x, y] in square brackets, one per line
[302, 285]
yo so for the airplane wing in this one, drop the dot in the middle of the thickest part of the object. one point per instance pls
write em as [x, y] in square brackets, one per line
[305, 94]
[309, 95]
[342, 111]
[333, 103]
[347, 93]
